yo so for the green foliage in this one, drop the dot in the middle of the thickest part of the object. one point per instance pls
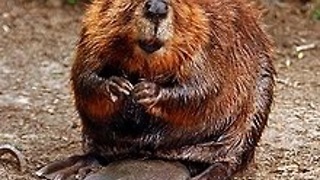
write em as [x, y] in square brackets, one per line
[316, 14]
[72, 1]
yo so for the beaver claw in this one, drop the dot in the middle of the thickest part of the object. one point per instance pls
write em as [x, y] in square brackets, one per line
[9, 149]
[77, 166]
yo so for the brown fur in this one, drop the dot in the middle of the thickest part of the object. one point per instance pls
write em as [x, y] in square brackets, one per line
[214, 76]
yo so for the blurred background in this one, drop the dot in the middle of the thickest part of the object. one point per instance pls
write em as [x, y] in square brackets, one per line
[37, 40]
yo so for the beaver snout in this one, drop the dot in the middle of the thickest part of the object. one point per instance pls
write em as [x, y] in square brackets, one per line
[156, 10]
[154, 29]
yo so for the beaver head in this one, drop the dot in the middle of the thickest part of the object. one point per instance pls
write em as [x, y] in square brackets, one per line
[148, 36]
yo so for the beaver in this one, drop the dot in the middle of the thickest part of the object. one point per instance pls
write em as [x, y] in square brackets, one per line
[177, 80]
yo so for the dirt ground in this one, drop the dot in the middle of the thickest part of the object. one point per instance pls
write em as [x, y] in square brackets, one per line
[37, 115]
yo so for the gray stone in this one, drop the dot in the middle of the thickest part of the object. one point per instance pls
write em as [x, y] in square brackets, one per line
[141, 170]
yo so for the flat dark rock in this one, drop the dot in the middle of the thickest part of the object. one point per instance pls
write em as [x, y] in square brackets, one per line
[141, 170]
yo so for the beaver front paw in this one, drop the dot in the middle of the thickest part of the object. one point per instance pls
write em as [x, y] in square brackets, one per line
[147, 94]
[117, 87]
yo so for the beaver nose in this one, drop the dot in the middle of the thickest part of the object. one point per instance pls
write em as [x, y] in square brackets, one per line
[155, 10]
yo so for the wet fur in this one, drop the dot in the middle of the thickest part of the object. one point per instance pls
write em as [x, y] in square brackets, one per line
[215, 73]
